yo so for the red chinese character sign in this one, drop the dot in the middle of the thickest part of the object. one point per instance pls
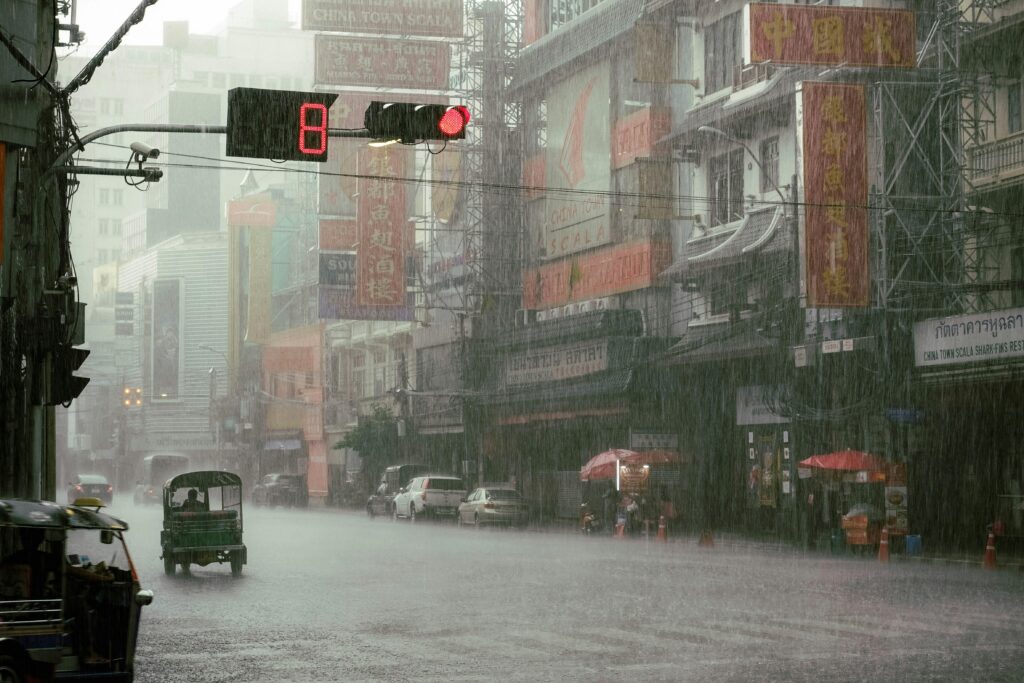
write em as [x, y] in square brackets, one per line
[380, 278]
[835, 189]
[802, 34]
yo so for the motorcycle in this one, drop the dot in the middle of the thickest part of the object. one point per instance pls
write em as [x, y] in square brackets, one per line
[589, 521]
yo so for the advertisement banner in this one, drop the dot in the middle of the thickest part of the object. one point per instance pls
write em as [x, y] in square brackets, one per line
[825, 35]
[339, 179]
[382, 227]
[576, 214]
[836, 195]
[166, 335]
[442, 18]
[340, 303]
[446, 177]
[556, 363]
[534, 172]
[607, 271]
[381, 62]
[254, 211]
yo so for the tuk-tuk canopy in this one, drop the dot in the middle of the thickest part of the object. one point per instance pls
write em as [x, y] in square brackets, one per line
[46, 514]
[203, 479]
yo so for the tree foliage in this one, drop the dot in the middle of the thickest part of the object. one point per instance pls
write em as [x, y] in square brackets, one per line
[375, 439]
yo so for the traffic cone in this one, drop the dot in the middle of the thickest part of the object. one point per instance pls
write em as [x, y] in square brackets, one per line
[990, 552]
[883, 546]
[662, 533]
[706, 540]
[620, 530]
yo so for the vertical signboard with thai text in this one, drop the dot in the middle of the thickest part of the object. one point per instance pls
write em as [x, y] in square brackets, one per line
[836, 194]
[382, 227]
[166, 335]
[576, 215]
[825, 35]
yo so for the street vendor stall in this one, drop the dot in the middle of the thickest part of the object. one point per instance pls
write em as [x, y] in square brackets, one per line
[864, 493]
[626, 488]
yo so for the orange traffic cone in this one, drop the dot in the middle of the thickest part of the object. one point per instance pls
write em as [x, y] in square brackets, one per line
[706, 540]
[662, 533]
[883, 546]
[990, 552]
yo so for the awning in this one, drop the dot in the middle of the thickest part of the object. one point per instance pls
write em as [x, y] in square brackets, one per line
[719, 343]
[760, 230]
[282, 445]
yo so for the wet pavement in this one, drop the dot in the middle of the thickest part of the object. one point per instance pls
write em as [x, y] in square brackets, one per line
[330, 595]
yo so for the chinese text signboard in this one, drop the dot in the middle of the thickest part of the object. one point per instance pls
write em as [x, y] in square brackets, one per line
[381, 62]
[836, 191]
[442, 18]
[634, 135]
[800, 34]
[382, 228]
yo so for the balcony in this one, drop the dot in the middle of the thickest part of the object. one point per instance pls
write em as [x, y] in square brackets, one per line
[746, 75]
[997, 163]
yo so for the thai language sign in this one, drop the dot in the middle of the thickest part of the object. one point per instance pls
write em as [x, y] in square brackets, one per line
[576, 215]
[400, 17]
[802, 34]
[607, 271]
[382, 227]
[556, 363]
[381, 62]
[976, 338]
[836, 192]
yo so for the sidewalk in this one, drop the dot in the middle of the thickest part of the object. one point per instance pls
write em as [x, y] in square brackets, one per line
[734, 539]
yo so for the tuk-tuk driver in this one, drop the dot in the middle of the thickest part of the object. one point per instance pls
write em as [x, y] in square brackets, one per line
[192, 503]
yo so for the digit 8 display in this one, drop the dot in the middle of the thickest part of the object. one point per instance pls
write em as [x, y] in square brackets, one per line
[306, 128]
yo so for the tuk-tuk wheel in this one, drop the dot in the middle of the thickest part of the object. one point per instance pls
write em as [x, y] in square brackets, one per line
[186, 568]
[168, 565]
[236, 562]
[11, 670]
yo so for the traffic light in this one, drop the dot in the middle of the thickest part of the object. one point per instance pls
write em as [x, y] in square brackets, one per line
[278, 124]
[131, 397]
[409, 122]
[65, 386]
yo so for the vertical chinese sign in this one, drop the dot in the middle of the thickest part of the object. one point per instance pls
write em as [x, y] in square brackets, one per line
[817, 34]
[835, 188]
[380, 278]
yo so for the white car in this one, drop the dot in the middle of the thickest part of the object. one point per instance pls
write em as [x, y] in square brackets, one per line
[436, 495]
[497, 505]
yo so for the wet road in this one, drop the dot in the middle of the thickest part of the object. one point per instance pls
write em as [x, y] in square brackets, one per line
[334, 596]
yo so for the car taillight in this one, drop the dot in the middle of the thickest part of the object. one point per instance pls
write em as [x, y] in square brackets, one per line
[78, 487]
[490, 506]
[423, 496]
[110, 488]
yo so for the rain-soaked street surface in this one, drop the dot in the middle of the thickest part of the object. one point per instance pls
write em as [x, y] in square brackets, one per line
[335, 596]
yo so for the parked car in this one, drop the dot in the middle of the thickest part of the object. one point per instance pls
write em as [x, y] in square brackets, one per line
[432, 495]
[494, 506]
[90, 486]
[392, 479]
[281, 489]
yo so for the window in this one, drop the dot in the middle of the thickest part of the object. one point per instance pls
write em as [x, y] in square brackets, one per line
[1017, 275]
[770, 164]
[725, 187]
[102, 256]
[104, 226]
[104, 196]
[118, 197]
[1013, 108]
[116, 226]
[721, 52]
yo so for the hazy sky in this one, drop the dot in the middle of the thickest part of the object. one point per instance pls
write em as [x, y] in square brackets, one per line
[100, 18]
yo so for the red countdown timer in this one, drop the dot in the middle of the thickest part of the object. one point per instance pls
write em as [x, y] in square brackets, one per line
[278, 124]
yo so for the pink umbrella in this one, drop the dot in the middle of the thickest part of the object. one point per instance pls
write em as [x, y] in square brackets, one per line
[847, 460]
[602, 465]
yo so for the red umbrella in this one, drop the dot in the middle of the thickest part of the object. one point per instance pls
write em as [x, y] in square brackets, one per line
[845, 460]
[602, 465]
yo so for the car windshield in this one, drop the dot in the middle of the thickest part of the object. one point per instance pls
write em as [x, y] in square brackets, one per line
[91, 479]
[687, 336]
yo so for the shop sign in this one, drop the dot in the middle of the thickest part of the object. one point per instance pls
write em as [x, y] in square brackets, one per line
[976, 338]
[601, 273]
[896, 500]
[633, 478]
[834, 140]
[556, 363]
[636, 134]
[653, 441]
[825, 35]
[338, 269]
[380, 280]
[381, 62]
[752, 409]
[442, 18]
[172, 441]
[340, 303]
[338, 235]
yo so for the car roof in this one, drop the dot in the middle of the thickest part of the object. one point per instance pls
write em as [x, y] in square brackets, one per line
[92, 479]
[16, 512]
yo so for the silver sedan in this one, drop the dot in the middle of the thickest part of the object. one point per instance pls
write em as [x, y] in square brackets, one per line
[493, 506]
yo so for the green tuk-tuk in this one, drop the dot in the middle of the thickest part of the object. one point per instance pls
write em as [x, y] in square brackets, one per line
[203, 521]
[70, 599]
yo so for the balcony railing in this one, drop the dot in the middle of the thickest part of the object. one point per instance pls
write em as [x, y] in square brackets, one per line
[746, 75]
[997, 160]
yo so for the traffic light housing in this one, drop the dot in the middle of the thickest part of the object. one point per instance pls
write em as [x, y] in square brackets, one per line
[278, 124]
[409, 122]
[131, 397]
[65, 386]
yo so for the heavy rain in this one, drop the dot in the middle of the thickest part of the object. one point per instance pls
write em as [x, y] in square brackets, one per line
[466, 340]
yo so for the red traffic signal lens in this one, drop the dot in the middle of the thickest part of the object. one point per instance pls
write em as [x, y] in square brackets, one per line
[453, 121]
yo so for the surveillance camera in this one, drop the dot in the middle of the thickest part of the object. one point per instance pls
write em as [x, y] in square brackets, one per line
[145, 151]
